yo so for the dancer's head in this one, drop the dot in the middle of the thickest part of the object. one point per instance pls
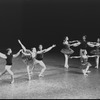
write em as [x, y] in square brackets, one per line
[66, 38]
[9, 51]
[40, 47]
[84, 37]
[34, 49]
[98, 40]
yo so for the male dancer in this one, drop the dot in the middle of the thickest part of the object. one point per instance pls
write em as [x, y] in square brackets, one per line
[8, 57]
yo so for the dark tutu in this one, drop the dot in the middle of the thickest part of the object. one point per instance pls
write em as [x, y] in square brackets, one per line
[84, 65]
[96, 52]
[67, 51]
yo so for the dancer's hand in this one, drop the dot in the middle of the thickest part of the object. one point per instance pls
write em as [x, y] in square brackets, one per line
[71, 57]
[20, 50]
[19, 41]
[53, 46]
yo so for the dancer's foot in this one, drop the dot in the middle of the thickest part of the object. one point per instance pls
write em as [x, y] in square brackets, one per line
[12, 81]
[41, 75]
[66, 66]
[84, 72]
[88, 71]
[96, 67]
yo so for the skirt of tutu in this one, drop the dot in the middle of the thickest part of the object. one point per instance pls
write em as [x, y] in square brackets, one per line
[27, 60]
[84, 65]
[95, 52]
[67, 51]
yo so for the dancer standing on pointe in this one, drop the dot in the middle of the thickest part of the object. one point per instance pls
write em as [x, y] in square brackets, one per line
[27, 58]
[84, 61]
[67, 51]
[40, 56]
[96, 51]
[8, 57]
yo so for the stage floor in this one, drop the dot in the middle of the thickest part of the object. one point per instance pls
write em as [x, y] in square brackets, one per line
[57, 83]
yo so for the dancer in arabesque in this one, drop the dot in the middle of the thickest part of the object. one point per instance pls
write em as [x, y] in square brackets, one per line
[26, 58]
[96, 51]
[67, 51]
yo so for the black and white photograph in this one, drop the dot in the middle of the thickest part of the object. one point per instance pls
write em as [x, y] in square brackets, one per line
[49, 49]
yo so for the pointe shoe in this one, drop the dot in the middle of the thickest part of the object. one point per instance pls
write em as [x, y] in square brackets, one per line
[84, 72]
[88, 71]
[96, 67]
[41, 75]
[12, 81]
[66, 67]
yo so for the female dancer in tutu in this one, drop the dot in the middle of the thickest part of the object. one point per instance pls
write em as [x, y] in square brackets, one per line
[8, 57]
[40, 56]
[84, 61]
[27, 58]
[96, 51]
[67, 51]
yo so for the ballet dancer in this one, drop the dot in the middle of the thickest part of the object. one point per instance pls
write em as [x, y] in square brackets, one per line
[84, 61]
[39, 57]
[67, 51]
[83, 44]
[26, 58]
[96, 51]
[8, 57]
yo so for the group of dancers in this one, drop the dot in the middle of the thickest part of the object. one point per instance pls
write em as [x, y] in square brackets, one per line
[85, 65]
[29, 57]
[33, 57]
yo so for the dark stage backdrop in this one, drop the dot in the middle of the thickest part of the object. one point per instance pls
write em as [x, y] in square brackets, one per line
[47, 22]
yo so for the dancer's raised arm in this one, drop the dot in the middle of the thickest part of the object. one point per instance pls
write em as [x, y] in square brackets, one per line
[3, 55]
[46, 50]
[23, 47]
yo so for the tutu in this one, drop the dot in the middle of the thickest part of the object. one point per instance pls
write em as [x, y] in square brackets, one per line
[84, 65]
[96, 52]
[67, 51]
[27, 59]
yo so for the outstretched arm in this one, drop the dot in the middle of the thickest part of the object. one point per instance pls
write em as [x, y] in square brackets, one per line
[48, 49]
[92, 56]
[73, 41]
[75, 57]
[75, 44]
[3, 55]
[23, 47]
[17, 54]
[91, 44]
